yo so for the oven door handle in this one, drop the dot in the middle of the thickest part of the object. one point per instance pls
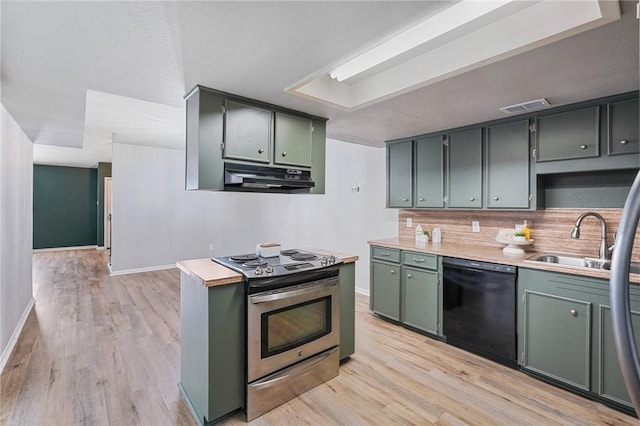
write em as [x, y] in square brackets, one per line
[262, 298]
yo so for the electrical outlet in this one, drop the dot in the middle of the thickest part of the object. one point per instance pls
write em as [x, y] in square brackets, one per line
[475, 226]
[409, 222]
[518, 227]
[210, 246]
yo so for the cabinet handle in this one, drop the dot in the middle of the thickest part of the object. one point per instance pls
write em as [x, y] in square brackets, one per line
[393, 272]
[624, 142]
[583, 147]
[261, 150]
[573, 312]
[384, 253]
[408, 275]
[472, 199]
[284, 154]
[421, 199]
[405, 199]
[496, 198]
[415, 259]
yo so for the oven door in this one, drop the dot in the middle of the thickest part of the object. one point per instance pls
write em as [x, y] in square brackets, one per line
[291, 324]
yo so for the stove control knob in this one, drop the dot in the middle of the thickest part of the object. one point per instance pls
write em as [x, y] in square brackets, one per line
[269, 269]
[258, 270]
[324, 261]
[332, 260]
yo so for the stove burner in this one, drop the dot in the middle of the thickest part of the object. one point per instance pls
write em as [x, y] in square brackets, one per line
[255, 263]
[289, 252]
[243, 257]
[304, 256]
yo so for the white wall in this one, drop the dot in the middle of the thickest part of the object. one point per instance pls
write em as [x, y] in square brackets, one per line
[16, 230]
[156, 222]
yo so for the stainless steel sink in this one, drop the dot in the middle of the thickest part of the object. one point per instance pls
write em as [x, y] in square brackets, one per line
[581, 262]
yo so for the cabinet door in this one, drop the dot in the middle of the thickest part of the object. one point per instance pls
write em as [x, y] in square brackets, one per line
[385, 289]
[557, 340]
[420, 299]
[429, 172]
[507, 148]
[465, 169]
[623, 127]
[611, 382]
[347, 309]
[573, 134]
[399, 184]
[247, 132]
[292, 140]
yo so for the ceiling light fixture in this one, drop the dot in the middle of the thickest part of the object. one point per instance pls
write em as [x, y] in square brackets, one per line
[528, 106]
[434, 26]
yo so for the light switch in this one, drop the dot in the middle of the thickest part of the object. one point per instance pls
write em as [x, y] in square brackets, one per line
[409, 222]
[475, 226]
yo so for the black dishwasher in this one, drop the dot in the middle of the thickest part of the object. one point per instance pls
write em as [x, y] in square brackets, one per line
[479, 312]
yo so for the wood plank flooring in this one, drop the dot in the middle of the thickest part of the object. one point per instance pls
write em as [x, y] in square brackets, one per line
[100, 350]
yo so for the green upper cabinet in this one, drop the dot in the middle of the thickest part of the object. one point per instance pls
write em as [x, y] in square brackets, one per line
[623, 127]
[507, 156]
[465, 169]
[247, 132]
[399, 174]
[429, 174]
[293, 137]
[568, 135]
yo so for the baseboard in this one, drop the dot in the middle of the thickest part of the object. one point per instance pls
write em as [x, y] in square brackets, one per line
[6, 354]
[65, 248]
[363, 291]
[100, 248]
[138, 270]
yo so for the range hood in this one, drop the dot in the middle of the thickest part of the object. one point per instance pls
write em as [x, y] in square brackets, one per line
[248, 177]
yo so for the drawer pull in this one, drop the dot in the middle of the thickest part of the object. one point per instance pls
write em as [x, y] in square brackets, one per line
[261, 150]
[496, 198]
[409, 276]
[385, 254]
[415, 259]
[405, 200]
[583, 146]
[421, 199]
[393, 272]
[573, 312]
[624, 142]
[472, 199]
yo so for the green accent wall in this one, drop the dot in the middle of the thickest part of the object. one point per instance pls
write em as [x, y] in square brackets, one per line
[64, 206]
[104, 170]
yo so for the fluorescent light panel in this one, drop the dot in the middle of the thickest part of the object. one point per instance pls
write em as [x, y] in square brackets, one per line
[436, 25]
[528, 106]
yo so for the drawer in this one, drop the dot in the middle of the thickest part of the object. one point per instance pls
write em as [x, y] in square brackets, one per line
[383, 253]
[420, 260]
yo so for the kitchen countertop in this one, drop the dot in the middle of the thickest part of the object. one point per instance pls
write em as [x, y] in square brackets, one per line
[491, 254]
[210, 274]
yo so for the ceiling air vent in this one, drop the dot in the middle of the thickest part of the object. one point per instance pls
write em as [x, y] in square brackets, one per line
[528, 106]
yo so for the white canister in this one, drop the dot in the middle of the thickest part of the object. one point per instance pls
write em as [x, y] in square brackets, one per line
[436, 235]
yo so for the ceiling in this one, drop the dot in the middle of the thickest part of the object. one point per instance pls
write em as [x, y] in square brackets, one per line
[78, 75]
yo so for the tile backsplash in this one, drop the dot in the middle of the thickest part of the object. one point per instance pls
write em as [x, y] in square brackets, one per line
[550, 228]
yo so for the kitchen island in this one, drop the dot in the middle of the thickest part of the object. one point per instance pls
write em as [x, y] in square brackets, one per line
[213, 334]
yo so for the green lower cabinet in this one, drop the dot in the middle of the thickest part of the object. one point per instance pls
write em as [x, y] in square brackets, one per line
[212, 348]
[347, 309]
[420, 299]
[385, 289]
[557, 339]
[565, 332]
[611, 382]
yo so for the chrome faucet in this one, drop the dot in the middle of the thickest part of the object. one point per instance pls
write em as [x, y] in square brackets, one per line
[604, 251]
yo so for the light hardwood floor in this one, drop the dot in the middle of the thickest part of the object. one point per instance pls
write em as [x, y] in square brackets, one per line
[105, 350]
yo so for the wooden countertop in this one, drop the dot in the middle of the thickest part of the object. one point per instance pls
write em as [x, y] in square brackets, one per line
[210, 274]
[491, 254]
